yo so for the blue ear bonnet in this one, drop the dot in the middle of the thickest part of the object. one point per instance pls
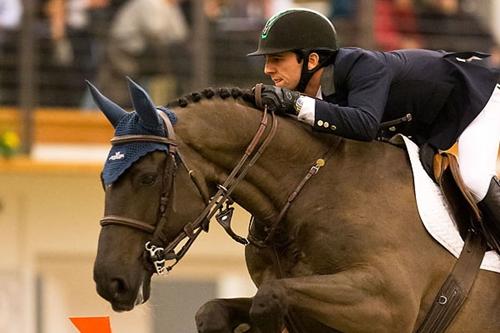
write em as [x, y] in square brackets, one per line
[122, 156]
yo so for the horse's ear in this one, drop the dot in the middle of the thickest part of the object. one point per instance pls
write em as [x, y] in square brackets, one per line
[143, 104]
[111, 110]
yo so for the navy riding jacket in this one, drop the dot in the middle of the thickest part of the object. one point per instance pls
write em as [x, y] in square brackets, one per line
[443, 91]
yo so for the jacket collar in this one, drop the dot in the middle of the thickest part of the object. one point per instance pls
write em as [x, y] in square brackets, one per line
[326, 82]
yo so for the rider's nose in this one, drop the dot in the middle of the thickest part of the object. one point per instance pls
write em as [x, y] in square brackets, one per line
[268, 68]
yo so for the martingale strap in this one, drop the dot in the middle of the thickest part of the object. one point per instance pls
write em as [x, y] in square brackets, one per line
[457, 286]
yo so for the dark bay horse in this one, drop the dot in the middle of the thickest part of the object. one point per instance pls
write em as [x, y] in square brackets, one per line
[350, 254]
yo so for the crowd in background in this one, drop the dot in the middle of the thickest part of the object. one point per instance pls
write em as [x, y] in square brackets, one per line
[151, 40]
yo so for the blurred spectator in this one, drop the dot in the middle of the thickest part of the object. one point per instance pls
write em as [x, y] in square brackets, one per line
[255, 9]
[140, 29]
[10, 20]
[447, 26]
[395, 25]
[10, 14]
[73, 43]
[267, 8]
[342, 9]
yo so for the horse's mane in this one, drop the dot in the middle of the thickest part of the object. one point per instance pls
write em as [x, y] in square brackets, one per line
[240, 95]
[209, 93]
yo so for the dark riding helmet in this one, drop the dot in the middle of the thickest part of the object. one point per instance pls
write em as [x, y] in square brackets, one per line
[297, 29]
[302, 31]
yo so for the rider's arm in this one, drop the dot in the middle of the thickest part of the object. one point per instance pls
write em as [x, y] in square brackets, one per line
[368, 84]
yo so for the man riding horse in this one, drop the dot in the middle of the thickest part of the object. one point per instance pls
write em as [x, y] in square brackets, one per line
[349, 92]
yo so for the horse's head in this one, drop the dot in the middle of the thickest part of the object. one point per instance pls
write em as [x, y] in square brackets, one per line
[138, 178]
[154, 210]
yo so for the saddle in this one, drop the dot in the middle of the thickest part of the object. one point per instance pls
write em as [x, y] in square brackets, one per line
[443, 168]
[467, 215]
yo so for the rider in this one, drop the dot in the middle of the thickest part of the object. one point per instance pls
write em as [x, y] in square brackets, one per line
[350, 91]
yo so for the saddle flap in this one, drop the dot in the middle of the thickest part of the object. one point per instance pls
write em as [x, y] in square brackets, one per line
[463, 206]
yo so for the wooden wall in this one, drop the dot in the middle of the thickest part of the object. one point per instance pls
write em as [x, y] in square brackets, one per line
[62, 125]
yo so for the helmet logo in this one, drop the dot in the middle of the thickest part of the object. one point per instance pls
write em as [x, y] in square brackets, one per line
[271, 22]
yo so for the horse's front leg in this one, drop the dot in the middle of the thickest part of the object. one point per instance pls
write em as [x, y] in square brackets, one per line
[224, 316]
[358, 301]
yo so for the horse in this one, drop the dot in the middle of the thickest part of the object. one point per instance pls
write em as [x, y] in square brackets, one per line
[348, 254]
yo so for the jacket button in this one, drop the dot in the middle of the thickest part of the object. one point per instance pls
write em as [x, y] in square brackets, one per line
[333, 127]
[326, 124]
[320, 122]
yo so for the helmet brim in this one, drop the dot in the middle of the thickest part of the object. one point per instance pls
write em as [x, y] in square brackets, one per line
[256, 53]
[267, 52]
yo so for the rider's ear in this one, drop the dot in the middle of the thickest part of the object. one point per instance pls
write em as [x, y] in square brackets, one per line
[111, 110]
[313, 61]
[143, 105]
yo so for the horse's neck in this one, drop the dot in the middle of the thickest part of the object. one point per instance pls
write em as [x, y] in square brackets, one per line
[216, 133]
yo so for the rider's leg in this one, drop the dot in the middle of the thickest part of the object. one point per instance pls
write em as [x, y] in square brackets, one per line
[478, 149]
[490, 206]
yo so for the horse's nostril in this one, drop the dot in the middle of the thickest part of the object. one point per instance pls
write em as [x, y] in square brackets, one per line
[118, 287]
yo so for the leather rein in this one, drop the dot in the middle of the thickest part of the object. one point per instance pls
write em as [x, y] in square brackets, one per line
[155, 251]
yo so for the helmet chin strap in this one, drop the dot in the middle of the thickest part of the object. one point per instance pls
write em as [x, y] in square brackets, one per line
[305, 77]
[306, 73]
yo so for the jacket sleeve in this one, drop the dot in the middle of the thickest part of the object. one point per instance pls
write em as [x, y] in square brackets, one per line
[367, 83]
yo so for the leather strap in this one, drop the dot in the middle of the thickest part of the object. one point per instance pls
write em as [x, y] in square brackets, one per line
[312, 171]
[258, 95]
[457, 286]
[128, 222]
[446, 161]
[170, 132]
[141, 138]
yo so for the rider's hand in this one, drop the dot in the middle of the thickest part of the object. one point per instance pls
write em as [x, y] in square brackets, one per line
[279, 100]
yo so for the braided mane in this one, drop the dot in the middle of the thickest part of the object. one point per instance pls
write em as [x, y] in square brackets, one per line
[208, 93]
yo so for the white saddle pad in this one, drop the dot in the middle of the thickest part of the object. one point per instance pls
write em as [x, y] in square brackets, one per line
[435, 213]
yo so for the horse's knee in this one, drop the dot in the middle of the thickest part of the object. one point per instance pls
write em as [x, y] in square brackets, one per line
[269, 307]
[213, 317]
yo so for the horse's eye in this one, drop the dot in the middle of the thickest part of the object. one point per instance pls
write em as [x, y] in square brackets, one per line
[148, 179]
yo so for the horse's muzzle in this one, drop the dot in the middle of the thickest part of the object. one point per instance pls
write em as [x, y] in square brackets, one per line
[123, 293]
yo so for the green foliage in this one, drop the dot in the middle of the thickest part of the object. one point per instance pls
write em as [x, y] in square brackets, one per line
[9, 143]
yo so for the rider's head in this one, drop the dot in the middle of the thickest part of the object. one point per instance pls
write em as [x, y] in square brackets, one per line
[292, 36]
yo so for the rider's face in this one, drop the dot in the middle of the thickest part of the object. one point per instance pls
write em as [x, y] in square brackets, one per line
[284, 69]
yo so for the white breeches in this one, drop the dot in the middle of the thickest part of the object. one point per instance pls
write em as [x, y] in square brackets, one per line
[478, 148]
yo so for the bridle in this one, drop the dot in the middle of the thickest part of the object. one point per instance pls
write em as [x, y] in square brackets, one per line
[156, 251]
